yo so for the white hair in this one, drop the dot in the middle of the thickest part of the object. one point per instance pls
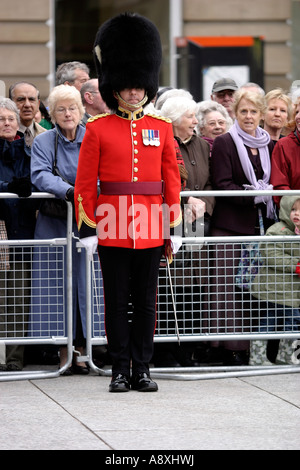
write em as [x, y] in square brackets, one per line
[66, 72]
[254, 87]
[207, 106]
[64, 92]
[295, 96]
[7, 103]
[170, 94]
[174, 108]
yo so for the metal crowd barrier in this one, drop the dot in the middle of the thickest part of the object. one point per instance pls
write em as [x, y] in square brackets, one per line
[31, 270]
[201, 314]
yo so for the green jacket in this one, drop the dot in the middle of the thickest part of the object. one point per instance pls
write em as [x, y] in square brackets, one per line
[277, 281]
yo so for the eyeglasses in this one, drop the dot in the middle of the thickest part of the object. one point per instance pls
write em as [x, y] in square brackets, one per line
[216, 123]
[71, 109]
[9, 119]
[222, 94]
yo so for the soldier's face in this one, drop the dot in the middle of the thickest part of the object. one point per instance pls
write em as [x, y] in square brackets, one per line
[132, 96]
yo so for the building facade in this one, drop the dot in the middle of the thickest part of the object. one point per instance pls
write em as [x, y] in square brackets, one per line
[37, 35]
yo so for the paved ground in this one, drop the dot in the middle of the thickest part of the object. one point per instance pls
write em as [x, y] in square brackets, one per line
[78, 413]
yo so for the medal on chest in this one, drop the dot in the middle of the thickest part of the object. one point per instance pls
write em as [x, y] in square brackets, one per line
[151, 137]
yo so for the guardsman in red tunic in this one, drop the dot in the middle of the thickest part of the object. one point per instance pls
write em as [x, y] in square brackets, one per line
[133, 157]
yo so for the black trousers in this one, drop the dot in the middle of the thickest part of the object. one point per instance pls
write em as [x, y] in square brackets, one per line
[130, 287]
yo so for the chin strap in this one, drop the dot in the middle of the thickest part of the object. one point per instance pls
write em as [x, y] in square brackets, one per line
[134, 106]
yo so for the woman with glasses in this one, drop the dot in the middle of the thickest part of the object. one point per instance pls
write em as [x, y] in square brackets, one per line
[213, 120]
[62, 143]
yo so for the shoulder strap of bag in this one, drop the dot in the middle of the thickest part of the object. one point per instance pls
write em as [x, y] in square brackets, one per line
[55, 169]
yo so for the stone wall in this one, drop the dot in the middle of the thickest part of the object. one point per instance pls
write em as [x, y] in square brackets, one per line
[25, 34]
[24, 37]
[268, 18]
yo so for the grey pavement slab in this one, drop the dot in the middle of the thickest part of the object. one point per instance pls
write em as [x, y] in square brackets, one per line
[78, 413]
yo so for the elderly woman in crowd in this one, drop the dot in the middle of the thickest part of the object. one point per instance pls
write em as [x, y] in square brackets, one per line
[285, 172]
[192, 277]
[63, 144]
[278, 113]
[19, 218]
[213, 120]
[166, 93]
[195, 153]
[240, 161]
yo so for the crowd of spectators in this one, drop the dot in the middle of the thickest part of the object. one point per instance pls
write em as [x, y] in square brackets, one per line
[240, 138]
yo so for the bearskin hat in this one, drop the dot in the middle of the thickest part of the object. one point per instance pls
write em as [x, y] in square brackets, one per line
[127, 53]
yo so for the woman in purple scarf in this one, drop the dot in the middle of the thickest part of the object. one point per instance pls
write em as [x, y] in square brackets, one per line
[240, 160]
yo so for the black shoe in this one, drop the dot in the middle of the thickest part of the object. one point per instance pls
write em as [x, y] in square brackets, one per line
[67, 372]
[209, 355]
[236, 358]
[101, 356]
[12, 367]
[119, 383]
[143, 383]
[79, 370]
[183, 354]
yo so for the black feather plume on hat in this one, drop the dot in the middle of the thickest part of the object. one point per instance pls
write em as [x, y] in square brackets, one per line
[127, 53]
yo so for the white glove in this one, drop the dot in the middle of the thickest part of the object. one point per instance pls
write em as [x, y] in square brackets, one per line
[90, 244]
[176, 242]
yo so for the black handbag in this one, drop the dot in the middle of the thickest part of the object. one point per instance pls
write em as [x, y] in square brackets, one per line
[55, 207]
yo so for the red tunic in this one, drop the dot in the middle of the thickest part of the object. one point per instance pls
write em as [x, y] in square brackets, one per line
[118, 149]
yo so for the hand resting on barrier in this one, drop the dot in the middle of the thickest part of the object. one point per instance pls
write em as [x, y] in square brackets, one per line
[20, 186]
[70, 195]
[195, 209]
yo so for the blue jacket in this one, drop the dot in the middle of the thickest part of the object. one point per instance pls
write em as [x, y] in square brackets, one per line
[47, 309]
